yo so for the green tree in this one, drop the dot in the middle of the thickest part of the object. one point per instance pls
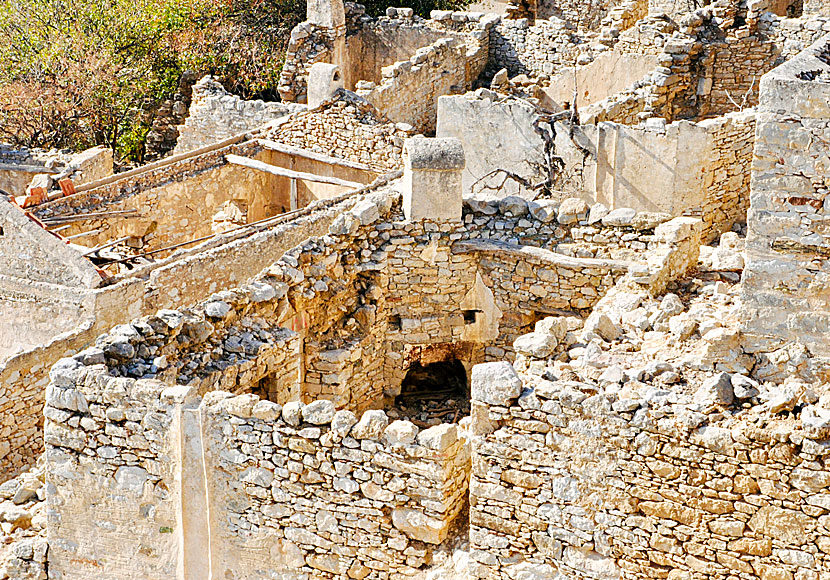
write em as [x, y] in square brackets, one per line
[79, 73]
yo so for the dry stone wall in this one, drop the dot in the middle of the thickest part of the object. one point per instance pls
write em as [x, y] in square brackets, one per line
[24, 375]
[575, 479]
[475, 28]
[331, 496]
[348, 128]
[381, 42]
[409, 90]
[239, 482]
[784, 298]
[536, 49]
[733, 71]
[298, 490]
[215, 115]
[112, 449]
[308, 44]
[726, 197]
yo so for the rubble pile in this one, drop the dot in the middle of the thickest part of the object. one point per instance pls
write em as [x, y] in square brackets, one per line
[23, 544]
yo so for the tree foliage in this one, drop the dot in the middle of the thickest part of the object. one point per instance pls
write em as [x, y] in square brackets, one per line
[79, 73]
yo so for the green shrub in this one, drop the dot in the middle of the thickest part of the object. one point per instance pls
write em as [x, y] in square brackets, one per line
[79, 73]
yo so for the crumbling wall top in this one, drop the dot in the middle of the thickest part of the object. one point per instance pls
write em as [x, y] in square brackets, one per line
[434, 154]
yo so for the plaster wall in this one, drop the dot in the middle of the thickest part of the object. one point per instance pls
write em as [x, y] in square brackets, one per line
[30, 252]
[14, 181]
[672, 168]
[494, 136]
[609, 73]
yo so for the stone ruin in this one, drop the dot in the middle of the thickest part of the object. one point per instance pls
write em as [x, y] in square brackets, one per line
[522, 296]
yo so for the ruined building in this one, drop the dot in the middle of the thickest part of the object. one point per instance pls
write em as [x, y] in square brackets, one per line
[524, 296]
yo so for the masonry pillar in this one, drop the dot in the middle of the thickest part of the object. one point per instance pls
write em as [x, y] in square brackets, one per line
[432, 179]
[331, 14]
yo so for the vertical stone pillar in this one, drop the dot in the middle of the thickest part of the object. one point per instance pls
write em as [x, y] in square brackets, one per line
[432, 179]
[324, 80]
[331, 14]
[326, 13]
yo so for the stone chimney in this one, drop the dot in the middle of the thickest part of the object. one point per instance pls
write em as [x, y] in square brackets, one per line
[326, 13]
[323, 81]
[432, 174]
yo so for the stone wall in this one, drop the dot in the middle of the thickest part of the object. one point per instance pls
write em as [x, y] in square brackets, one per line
[24, 375]
[188, 278]
[726, 196]
[578, 479]
[246, 483]
[348, 128]
[409, 90]
[373, 44]
[174, 202]
[28, 251]
[19, 166]
[336, 499]
[787, 239]
[536, 49]
[705, 165]
[496, 134]
[816, 8]
[674, 168]
[215, 115]
[384, 41]
[583, 14]
[230, 260]
[358, 318]
[308, 44]
[625, 15]
[732, 73]
[235, 483]
[475, 28]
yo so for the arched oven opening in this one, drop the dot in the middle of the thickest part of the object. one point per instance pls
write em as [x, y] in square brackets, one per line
[434, 393]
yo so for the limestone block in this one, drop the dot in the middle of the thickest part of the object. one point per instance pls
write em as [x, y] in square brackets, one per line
[400, 433]
[601, 324]
[619, 217]
[418, 526]
[495, 383]
[572, 210]
[318, 412]
[371, 425]
[343, 422]
[432, 180]
[537, 345]
[326, 13]
[715, 390]
[440, 437]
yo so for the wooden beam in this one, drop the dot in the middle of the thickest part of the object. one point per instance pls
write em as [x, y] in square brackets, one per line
[306, 154]
[274, 170]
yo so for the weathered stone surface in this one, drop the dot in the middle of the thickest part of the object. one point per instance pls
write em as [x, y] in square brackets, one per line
[716, 390]
[370, 426]
[418, 526]
[318, 412]
[495, 383]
